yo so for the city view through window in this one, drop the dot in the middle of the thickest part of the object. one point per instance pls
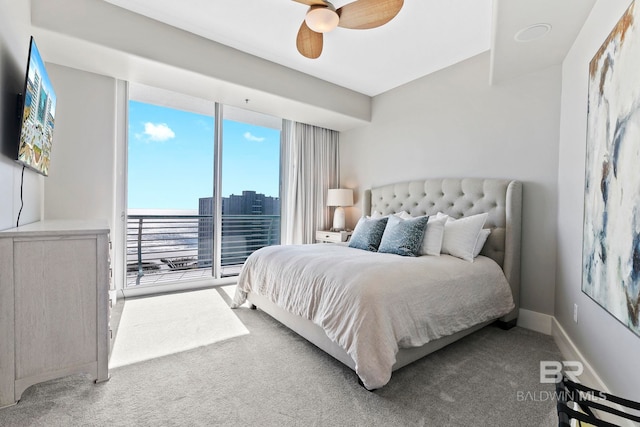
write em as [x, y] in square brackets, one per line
[171, 224]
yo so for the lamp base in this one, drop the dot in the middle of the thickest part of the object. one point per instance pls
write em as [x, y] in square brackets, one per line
[338, 219]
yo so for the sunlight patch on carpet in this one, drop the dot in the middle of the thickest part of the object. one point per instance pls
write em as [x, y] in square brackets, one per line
[166, 324]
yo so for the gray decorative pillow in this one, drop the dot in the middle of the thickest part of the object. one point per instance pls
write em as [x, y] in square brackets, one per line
[368, 233]
[403, 236]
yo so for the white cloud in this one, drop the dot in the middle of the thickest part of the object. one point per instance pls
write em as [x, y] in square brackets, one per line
[158, 132]
[249, 137]
[203, 124]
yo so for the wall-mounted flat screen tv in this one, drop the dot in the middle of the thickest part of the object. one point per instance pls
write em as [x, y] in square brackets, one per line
[38, 114]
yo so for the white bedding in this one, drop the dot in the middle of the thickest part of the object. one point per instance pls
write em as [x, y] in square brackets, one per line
[372, 303]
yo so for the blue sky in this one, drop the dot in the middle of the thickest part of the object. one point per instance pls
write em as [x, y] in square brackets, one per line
[171, 158]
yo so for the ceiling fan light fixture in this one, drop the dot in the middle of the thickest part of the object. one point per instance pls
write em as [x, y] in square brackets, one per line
[322, 19]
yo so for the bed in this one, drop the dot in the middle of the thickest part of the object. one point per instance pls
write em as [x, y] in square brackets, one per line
[378, 312]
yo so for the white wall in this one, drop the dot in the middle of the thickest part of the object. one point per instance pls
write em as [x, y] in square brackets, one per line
[453, 124]
[610, 348]
[15, 30]
[81, 182]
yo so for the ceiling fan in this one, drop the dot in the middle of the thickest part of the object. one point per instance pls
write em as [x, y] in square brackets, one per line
[323, 17]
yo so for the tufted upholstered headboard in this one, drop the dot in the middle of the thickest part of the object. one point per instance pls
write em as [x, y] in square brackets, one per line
[459, 197]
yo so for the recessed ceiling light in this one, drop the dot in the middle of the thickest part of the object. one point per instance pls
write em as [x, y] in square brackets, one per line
[532, 32]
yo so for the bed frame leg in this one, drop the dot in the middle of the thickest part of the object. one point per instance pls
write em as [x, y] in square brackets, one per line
[507, 325]
[253, 307]
[362, 385]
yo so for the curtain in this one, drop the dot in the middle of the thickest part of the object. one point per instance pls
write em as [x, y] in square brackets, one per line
[310, 166]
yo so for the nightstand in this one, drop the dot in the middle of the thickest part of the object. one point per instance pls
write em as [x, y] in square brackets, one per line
[324, 236]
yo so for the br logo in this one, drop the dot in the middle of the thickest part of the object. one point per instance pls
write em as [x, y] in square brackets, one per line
[551, 370]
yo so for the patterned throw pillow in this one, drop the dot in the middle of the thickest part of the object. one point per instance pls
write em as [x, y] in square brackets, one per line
[403, 236]
[368, 233]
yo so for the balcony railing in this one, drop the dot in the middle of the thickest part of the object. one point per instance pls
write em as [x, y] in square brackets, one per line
[174, 247]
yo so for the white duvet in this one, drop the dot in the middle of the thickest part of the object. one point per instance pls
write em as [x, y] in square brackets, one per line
[372, 303]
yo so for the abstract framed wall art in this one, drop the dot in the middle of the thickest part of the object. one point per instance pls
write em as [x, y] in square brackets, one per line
[611, 233]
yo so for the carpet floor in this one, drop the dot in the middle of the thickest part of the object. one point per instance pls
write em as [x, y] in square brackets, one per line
[273, 377]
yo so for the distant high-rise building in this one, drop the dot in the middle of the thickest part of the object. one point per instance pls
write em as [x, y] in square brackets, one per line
[250, 203]
[240, 237]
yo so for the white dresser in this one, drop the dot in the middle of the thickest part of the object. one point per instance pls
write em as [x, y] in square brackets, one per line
[54, 303]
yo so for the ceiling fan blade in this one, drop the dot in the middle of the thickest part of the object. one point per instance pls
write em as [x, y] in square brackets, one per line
[312, 2]
[365, 14]
[308, 42]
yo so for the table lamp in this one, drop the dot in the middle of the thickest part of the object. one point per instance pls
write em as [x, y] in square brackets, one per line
[339, 197]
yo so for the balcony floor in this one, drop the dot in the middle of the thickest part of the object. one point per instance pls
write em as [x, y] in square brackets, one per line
[167, 276]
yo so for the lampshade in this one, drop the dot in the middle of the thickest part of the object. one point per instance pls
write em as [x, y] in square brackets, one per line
[322, 19]
[340, 197]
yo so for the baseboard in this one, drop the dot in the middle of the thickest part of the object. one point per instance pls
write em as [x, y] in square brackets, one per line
[569, 351]
[535, 321]
[589, 376]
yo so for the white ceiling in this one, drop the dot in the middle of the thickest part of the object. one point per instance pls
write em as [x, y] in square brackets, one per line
[511, 58]
[426, 36]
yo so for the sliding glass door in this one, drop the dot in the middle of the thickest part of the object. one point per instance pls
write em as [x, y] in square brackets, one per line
[203, 187]
[250, 185]
[170, 168]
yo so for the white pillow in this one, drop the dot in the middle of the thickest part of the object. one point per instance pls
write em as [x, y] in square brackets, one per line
[461, 235]
[432, 242]
[482, 238]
